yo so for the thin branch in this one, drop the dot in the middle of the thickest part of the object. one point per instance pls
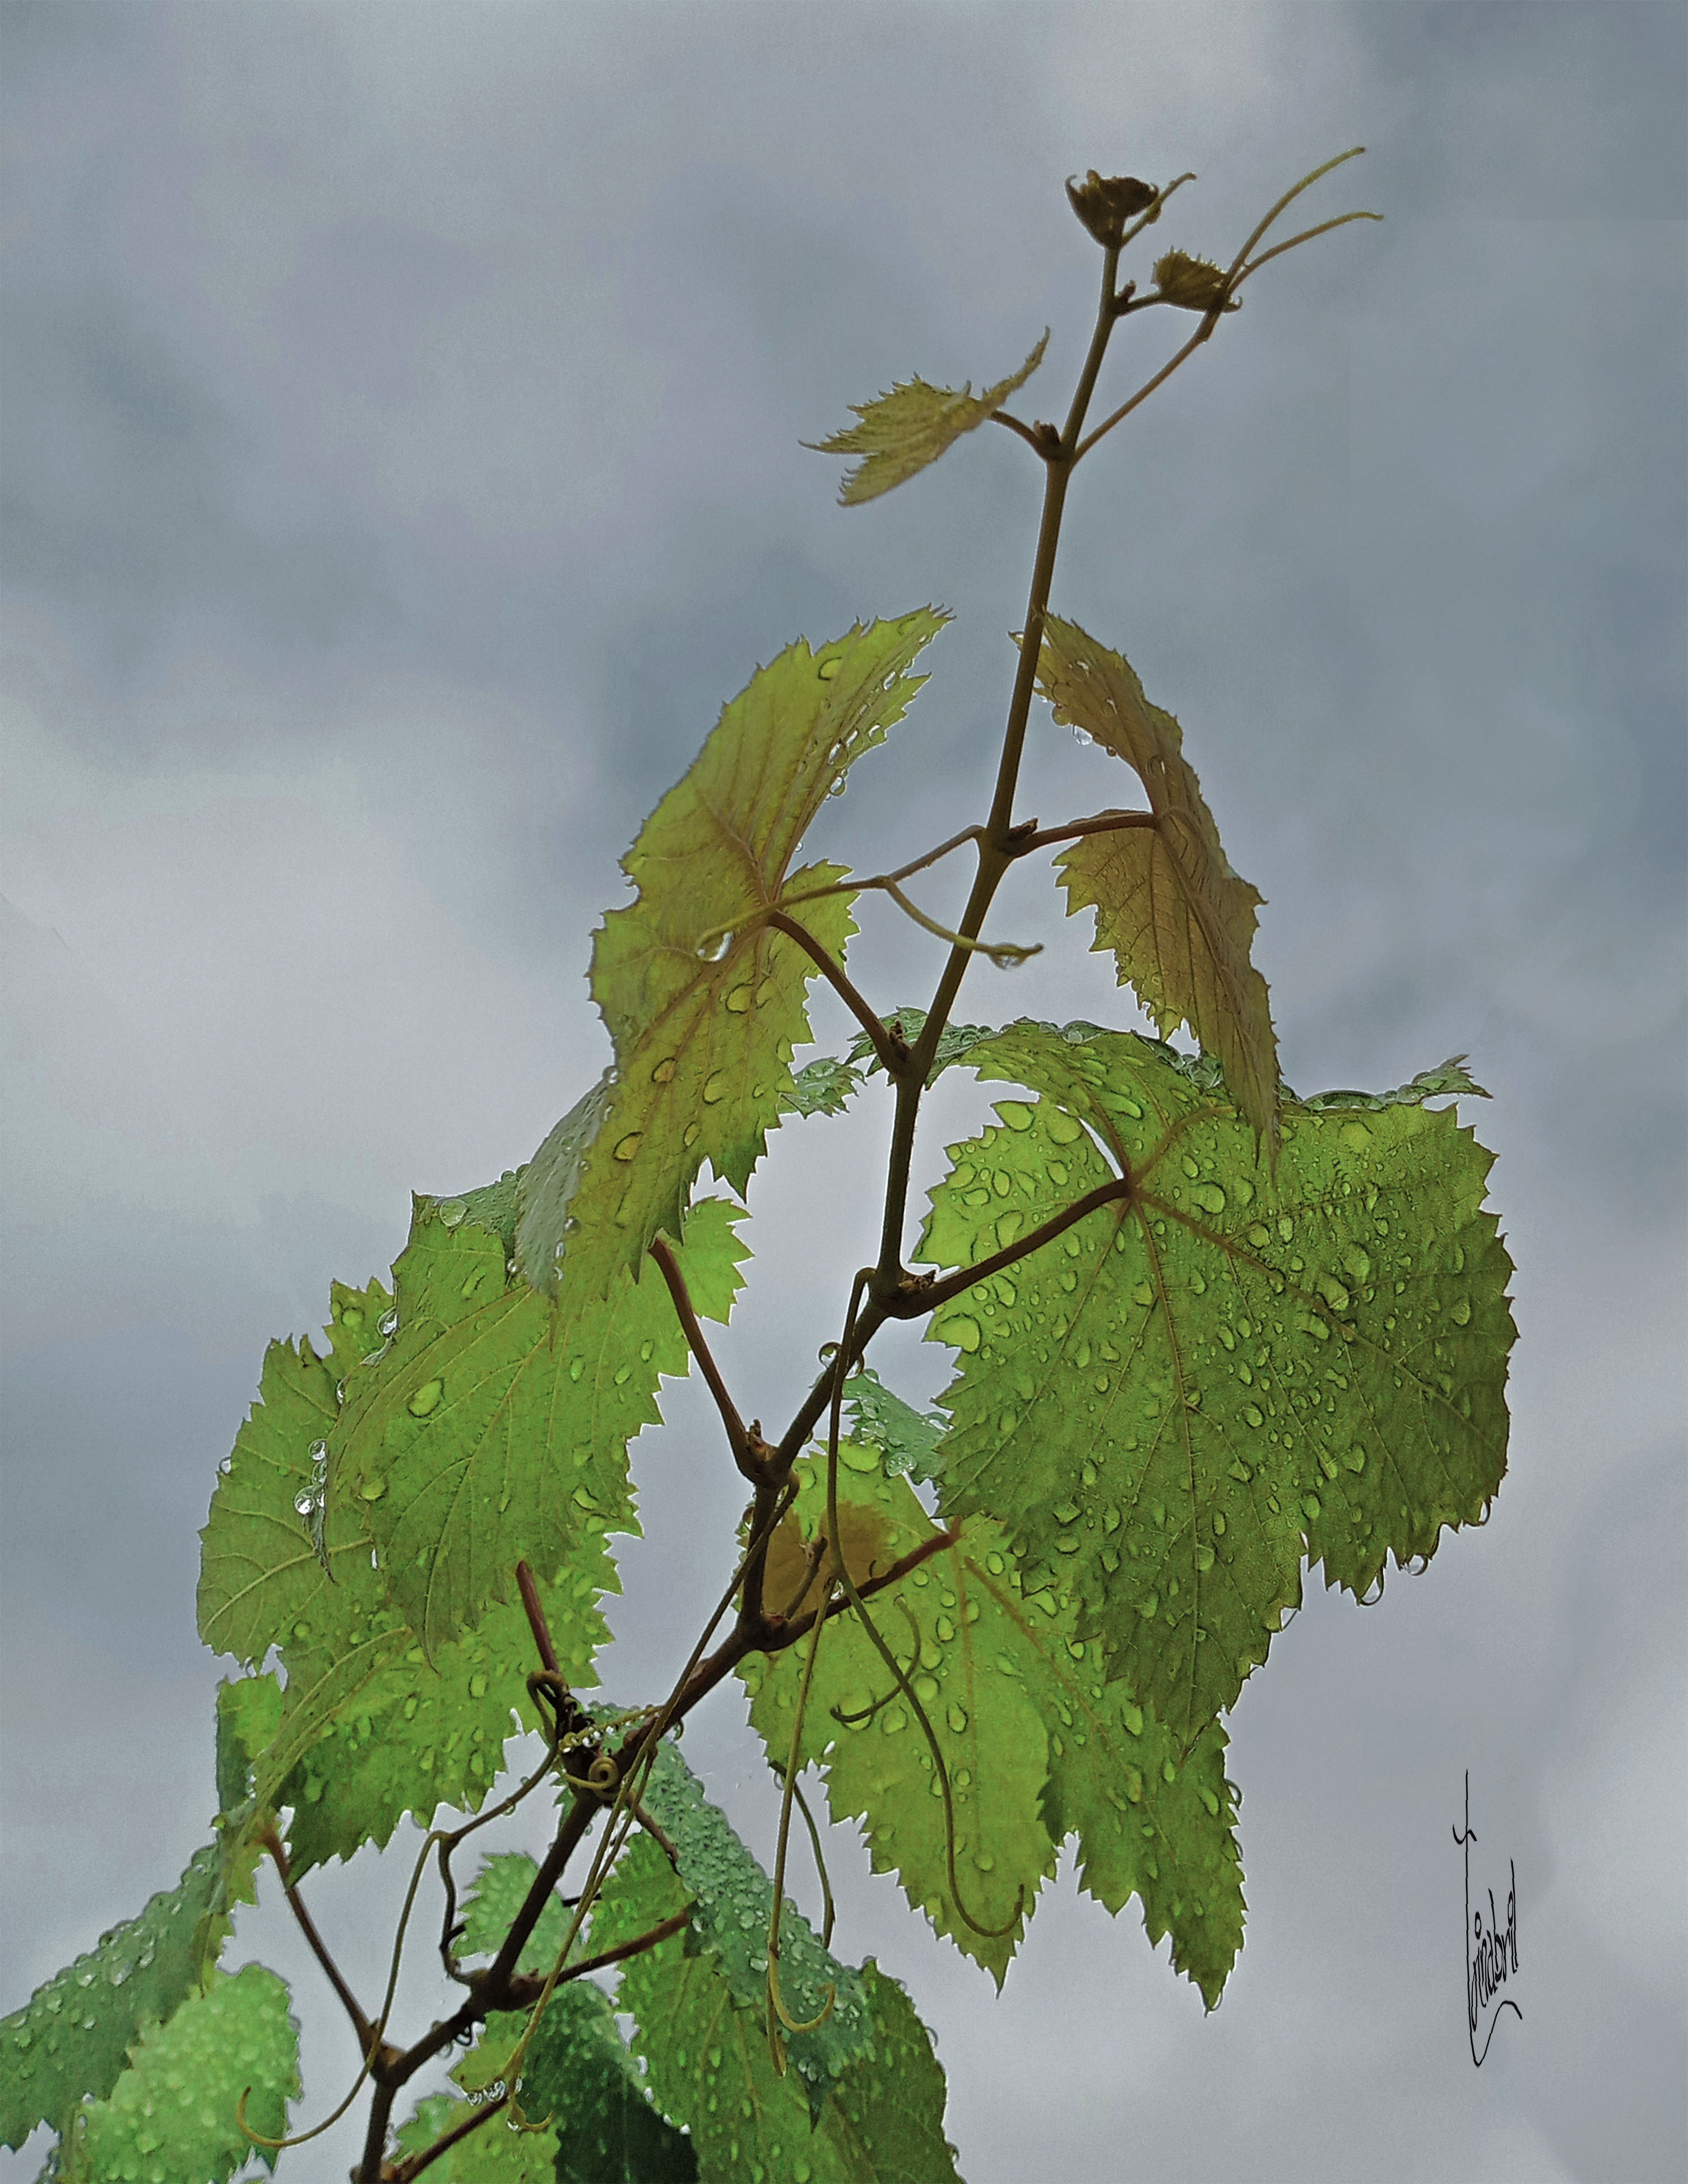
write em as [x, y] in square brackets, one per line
[658, 1835]
[1305, 236]
[833, 974]
[927, 1296]
[856, 883]
[933, 1544]
[1025, 433]
[536, 1619]
[1154, 211]
[414, 2165]
[367, 2036]
[368, 2171]
[1201, 334]
[1104, 822]
[525, 1990]
[1006, 955]
[867, 1324]
[1288, 198]
[737, 1439]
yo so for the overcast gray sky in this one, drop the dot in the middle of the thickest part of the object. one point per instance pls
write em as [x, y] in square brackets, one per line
[401, 466]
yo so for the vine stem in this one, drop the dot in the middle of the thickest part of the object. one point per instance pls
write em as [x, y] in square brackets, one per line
[403, 2171]
[737, 1439]
[835, 975]
[271, 1838]
[995, 850]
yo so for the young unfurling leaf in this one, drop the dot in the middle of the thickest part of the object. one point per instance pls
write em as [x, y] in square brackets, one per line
[903, 431]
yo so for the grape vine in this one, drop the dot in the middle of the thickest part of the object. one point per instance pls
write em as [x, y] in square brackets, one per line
[1205, 1334]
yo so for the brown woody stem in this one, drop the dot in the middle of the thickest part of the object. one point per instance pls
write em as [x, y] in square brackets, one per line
[402, 2171]
[1104, 822]
[536, 1618]
[737, 1439]
[525, 1991]
[833, 973]
[271, 1841]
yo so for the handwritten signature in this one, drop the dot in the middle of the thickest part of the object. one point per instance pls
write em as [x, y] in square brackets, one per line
[1491, 1952]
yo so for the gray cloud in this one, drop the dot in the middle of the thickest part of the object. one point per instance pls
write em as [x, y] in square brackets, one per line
[402, 469]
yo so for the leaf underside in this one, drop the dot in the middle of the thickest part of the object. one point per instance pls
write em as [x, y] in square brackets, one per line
[1037, 1742]
[459, 1434]
[1173, 1402]
[175, 2112]
[72, 2037]
[1179, 922]
[704, 1001]
[709, 2068]
[732, 1899]
[901, 432]
[579, 2072]
[494, 2154]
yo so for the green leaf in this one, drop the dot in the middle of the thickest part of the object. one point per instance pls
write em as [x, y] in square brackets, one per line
[248, 1715]
[258, 1570]
[823, 1087]
[71, 2037]
[903, 431]
[1429, 1084]
[421, 1734]
[1169, 1403]
[497, 1427]
[1039, 1741]
[173, 2114]
[704, 1001]
[906, 1438]
[710, 2070]
[1178, 920]
[732, 1899]
[955, 1042]
[488, 1911]
[495, 2153]
[396, 1732]
[579, 2073]
[941, 1626]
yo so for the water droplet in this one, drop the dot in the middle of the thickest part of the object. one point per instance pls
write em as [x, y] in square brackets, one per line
[451, 1212]
[1332, 1292]
[629, 1144]
[714, 1087]
[957, 1718]
[1148, 1606]
[1255, 1416]
[961, 1330]
[829, 665]
[711, 951]
[387, 1323]
[1311, 1507]
[1461, 1312]
[304, 1502]
[425, 1399]
[1209, 1197]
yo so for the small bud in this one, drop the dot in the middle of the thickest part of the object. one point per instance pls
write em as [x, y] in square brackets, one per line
[1105, 202]
[1191, 283]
